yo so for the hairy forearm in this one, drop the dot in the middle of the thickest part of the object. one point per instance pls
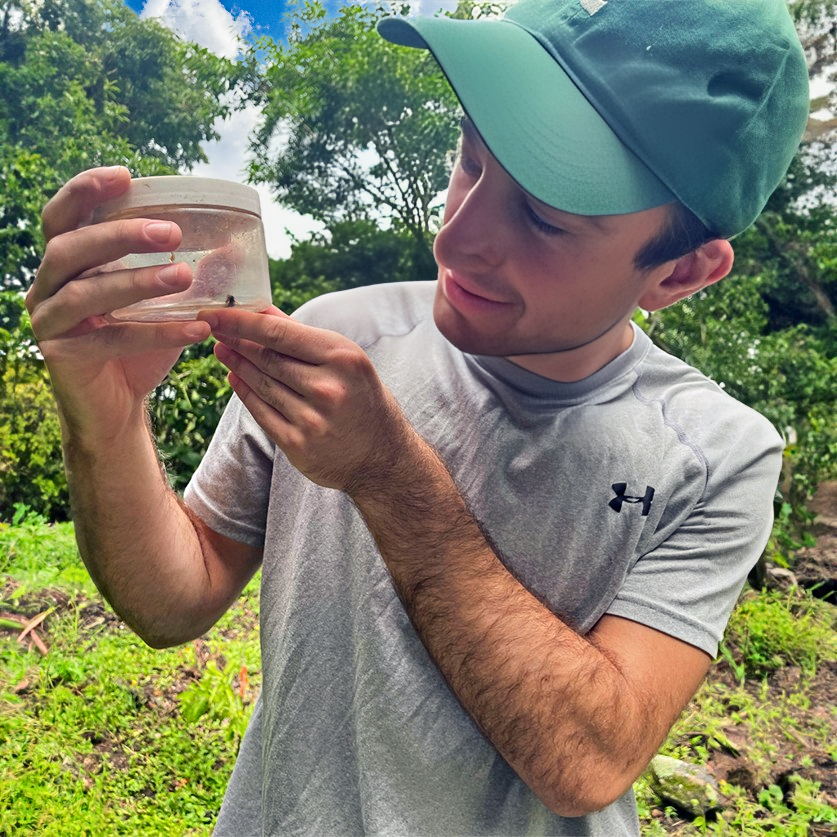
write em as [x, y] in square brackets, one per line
[555, 706]
[136, 539]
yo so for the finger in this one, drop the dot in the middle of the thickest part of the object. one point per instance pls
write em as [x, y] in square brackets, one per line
[272, 391]
[321, 385]
[82, 299]
[77, 252]
[126, 339]
[73, 204]
[280, 333]
[273, 421]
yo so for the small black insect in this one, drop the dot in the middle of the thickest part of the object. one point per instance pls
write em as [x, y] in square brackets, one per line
[230, 301]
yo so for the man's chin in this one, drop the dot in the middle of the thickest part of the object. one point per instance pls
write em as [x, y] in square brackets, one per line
[458, 335]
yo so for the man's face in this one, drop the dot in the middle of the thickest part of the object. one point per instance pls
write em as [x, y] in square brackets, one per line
[552, 291]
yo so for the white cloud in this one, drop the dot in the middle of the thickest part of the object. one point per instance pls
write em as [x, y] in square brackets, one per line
[205, 22]
[209, 24]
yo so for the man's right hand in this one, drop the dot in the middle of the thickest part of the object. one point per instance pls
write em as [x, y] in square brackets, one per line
[102, 370]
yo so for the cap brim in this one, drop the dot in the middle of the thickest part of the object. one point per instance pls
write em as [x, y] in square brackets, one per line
[532, 117]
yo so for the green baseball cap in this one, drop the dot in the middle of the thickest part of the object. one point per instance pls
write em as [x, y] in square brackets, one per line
[603, 107]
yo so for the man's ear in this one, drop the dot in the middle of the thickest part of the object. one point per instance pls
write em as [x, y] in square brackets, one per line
[694, 271]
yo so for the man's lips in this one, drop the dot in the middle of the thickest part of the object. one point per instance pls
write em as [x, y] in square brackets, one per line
[462, 294]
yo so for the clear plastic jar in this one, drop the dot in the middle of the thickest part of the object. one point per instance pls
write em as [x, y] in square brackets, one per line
[223, 244]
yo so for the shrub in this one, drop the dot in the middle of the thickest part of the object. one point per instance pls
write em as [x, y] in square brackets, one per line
[773, 629]
[31, 467]
[185, 410]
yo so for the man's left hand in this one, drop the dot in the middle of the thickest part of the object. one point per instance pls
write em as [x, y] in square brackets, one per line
[314, 392]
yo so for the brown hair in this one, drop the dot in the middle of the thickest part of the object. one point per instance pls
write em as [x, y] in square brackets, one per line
[683, 234]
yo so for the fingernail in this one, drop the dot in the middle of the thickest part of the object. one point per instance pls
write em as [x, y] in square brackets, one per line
[159, 230]
[169, 274]
[112, 172]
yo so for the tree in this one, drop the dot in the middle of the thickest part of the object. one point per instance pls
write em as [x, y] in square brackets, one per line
[86, 83]
[816, 23]
[31, 470]
[350, 254]
[352, 127]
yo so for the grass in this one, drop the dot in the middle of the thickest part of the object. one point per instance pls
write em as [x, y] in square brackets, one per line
[777, 628]
[774, 735]
[766, 728]
[104, 736]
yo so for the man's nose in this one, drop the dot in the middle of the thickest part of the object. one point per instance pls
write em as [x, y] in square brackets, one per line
[475, 234]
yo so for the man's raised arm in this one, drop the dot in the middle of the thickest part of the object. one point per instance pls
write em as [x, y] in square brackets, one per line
[164, 572]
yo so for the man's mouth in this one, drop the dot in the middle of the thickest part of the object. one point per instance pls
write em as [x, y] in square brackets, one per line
[463, 294]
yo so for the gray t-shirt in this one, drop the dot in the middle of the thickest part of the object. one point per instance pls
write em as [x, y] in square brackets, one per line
[642, 491]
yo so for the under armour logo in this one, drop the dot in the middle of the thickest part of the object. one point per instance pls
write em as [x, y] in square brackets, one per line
[592, 6]
[620, 488]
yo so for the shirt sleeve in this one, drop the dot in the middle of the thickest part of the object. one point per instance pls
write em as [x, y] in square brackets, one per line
[231, 487]
[688, 584]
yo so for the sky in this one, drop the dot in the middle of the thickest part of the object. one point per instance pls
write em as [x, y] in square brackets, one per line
[220, 26]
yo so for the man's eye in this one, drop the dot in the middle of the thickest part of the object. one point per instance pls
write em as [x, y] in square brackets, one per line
[541, 225]
[469, 165]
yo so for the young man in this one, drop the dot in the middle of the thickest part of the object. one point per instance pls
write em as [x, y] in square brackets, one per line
[500, 533]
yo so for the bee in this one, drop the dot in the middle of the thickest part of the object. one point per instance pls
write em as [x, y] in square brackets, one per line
[230, 303]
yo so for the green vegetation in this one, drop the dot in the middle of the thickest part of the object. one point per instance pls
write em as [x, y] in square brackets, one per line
[31, 468]
[770, 740]
[773, 629]
[86, 83]
[101, 734]
[371, 172]
[367, 124]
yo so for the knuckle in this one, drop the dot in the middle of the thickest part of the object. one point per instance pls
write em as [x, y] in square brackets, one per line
[123, 228]
[30, 301]
[75, 192]
[276, 331]
[36, 320]
[56, 250]
[293, 440]
[128, 232]
[127, 229]
[265, 385]
[74, 294]
[138, 279]
[313, 424]
[330, 390]
[352, 358]
[266, 358]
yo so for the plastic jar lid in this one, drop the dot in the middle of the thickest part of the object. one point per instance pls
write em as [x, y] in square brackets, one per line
[181, 190]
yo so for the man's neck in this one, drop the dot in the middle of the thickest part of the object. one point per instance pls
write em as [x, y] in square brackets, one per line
[581, 362]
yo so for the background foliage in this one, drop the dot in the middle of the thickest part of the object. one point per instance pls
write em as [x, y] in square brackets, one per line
[86, 83]
[768, 333]
[117, 739]
[364, 125]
